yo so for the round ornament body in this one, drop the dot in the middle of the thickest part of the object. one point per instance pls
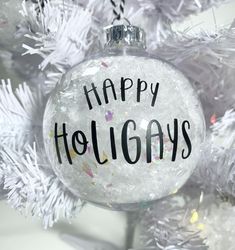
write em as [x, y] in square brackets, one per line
[123, 128]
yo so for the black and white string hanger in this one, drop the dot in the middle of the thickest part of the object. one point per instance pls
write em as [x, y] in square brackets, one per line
[118, 10]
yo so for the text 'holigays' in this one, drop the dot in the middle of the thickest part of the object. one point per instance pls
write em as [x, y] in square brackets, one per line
[154, 130]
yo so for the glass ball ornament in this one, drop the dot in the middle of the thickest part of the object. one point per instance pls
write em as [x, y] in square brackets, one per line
[123, 127]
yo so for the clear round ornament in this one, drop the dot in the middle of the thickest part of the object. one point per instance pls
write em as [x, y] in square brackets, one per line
[123, 128]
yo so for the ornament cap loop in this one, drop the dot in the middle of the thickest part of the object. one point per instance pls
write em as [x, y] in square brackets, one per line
[119, 35]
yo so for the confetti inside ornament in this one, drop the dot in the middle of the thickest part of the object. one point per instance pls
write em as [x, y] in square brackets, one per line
[104, 64]
[72, 153]
[109, 116]
[104, 157]
[87, 170]
[158, 123]
[89, 149]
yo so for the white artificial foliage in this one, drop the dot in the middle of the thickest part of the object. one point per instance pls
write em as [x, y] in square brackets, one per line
[66, 31]
[223, 131]
[25, 174]
[18, 114]
[219, 226]
[157, 16]
[166, 224]
[177, 10]
[208, 60]
[216, 169]
[32, 188]
[63, 39]
[186, 222]
[62, 33]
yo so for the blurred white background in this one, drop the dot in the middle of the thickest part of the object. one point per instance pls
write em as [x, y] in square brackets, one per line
[20, 233]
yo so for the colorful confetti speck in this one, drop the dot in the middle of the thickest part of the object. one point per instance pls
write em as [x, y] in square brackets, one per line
[201, 226]
[104, 64]
[87, 170]
[104, 157]
[72, 153]
[109, 116]
[194, 218]
[89, 149]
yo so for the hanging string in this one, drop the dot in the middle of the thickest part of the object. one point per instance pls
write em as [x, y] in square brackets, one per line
[120, 13]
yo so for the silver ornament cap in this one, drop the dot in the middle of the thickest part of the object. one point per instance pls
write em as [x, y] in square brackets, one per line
[125, 35]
